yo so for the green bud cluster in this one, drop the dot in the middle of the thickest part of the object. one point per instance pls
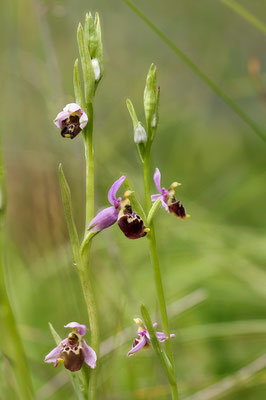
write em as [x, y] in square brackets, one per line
[142, 137]
[91, 57]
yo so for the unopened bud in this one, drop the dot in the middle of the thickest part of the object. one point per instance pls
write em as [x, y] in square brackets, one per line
[154, 121]
[140, 135]
[96, 69]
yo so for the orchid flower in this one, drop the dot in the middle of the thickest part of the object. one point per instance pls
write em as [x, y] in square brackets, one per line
[130, 223]
[73, 351]
[121, 212]
[71, 120]
[167, 197]
[109, 215]
[143, 339]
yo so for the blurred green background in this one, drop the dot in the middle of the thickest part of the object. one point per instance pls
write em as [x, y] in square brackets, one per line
[216, 258]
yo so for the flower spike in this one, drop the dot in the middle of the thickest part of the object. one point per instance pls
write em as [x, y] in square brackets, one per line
[73, 351]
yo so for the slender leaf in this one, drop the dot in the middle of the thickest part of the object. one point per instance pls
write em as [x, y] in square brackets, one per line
[135, 203]
[155, 207]
[157, 347]
[88, 73]
[11, 344]
[77, 85]
[240, 10]
[72, 230]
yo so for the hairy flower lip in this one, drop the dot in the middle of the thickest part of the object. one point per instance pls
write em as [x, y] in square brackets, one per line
[73, 351]
[131, 224]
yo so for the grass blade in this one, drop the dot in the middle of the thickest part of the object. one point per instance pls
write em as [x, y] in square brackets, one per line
[67, 204]
[157, 347]
[240, 10]
[11, 344]
[77, 85]
[238, 110]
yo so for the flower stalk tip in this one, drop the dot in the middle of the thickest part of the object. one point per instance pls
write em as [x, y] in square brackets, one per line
[151, 101]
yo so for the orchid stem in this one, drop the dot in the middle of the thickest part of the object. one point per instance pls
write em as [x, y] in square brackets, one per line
[85, 273]
[156, 266]
[89, 156]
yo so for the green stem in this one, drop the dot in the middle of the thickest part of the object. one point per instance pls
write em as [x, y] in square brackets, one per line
[94, 329]
[238, 110]
[156, 266]
[89, 155]
[84, 273]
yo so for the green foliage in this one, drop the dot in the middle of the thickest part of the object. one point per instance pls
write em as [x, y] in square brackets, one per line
[200, 143]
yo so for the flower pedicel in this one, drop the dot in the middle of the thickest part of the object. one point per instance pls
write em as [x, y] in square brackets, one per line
[73, 351]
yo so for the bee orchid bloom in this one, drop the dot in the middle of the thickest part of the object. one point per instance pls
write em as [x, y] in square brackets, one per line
[143, 339]
[121, 212]
[167, 197]
[109, 215]
[73, 351]
[71, 120]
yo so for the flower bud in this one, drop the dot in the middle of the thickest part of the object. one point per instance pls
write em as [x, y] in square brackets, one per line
[140, 135]
[151, 100]
[94, 41]
[96, 69]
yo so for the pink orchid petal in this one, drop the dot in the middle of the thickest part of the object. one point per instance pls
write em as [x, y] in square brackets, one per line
[139, 346]
[55, 353]
[103, 219]
[155, 197]
[164, 204]
[60, 118]
[114, 188]
[161, 336]
[89, 354]
[83, 120]
[71, 107]
[157, 179]
[81, 328]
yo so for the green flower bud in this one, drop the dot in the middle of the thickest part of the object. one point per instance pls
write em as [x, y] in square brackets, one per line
[94, 40]
[140, 135]
[151, 101]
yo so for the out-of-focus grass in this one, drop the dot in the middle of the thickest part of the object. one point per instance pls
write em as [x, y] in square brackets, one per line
[200, 143]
